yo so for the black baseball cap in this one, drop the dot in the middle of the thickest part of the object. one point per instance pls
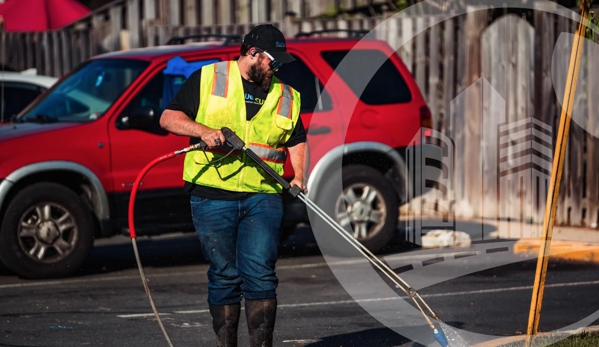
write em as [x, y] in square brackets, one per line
[267, 37]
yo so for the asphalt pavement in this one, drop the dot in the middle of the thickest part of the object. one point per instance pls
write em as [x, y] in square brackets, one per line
[482, 290]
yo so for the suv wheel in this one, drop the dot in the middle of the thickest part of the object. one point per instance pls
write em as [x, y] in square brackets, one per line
[367, 208]
[47, 232]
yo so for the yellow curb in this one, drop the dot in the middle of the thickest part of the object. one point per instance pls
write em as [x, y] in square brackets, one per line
[564, 250]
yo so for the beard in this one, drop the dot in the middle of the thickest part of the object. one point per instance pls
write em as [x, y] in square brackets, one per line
[260, 77]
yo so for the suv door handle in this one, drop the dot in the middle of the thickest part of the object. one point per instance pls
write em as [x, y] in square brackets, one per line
[319, 130]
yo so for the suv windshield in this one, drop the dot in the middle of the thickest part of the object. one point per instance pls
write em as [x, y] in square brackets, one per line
[86, 93]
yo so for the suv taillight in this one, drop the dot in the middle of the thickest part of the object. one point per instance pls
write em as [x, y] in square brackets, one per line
[426, 118]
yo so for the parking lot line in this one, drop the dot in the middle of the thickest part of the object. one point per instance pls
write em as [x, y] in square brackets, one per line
[343, 302]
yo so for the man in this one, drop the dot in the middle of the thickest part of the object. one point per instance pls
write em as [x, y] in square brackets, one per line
[236, 207]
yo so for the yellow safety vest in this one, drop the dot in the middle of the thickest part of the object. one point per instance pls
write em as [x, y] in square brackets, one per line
[222, 104]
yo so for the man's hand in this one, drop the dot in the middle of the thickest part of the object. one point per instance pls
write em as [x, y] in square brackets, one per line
[300, 183]
[212, 137]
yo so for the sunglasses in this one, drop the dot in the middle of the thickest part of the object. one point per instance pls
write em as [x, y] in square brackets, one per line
[274, 64]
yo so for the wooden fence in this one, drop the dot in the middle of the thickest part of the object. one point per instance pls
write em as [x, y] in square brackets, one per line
[478, 74]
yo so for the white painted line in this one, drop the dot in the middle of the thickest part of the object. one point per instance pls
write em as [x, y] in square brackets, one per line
[199, 273]
[194, 311]
[343, 302]
[304, 341]
[138, 315]
[55, 283]
[497, 290]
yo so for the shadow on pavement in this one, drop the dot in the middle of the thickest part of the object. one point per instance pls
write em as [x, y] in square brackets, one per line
[116, 254]
[380, 337]
[178, 250]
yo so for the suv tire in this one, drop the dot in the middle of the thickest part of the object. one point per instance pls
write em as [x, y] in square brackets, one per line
[367, 208]
[47, 232]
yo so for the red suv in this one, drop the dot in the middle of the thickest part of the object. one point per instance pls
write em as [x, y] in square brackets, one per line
[69, 160]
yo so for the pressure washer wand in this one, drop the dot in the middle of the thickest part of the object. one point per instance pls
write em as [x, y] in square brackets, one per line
[132, 233]
[234, 141]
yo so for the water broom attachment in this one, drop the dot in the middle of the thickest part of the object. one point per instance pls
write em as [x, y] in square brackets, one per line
[440, 337]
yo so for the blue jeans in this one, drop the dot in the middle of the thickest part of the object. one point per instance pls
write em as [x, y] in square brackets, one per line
[240, 239]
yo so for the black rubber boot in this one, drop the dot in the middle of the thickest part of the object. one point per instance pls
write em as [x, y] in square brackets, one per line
[260, 315]
[225, 320]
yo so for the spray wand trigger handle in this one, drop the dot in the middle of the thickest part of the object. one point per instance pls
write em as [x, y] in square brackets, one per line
[294, 191]
[232, 139]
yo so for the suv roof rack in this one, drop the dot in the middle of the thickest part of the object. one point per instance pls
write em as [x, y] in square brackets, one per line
[354, 32]
[229, 39]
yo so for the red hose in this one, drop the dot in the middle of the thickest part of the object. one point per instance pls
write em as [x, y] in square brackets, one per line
[136, 185]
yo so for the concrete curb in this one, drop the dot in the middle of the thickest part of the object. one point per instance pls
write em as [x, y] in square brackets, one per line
[561, 249]
[521, 338]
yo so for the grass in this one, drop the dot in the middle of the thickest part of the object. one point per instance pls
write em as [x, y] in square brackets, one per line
[584, 339]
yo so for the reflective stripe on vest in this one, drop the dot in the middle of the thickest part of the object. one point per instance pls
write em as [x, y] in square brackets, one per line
[268, 154]
[221, 79]
[286, 102]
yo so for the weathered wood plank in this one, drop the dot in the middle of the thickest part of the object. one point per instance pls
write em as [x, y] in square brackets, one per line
[66, 52]
[149, 9]
[29, 50]
[174, 12]
[476, 21]
[592, 168]
[493, 108]
[133, 23]
[207, 12]
[277, 10]
[545, 100]
[58, 72]
[39, 52]
[19, 42]
[406, 51]
[458, 123]
[433, 79]
[420, 61]
[448, 75]
[391, 34]
[84, 45]
[47, 70]
[562, 58]
[259, 12]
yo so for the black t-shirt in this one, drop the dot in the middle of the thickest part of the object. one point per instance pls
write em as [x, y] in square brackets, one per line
[187, 100]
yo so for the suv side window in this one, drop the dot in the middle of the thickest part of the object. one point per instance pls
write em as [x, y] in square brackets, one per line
[313, 96]
[387, 86]
[17, 96]
[151, 94]
[154, 92]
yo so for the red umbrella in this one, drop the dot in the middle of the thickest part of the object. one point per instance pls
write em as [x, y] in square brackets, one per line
[40, 15]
